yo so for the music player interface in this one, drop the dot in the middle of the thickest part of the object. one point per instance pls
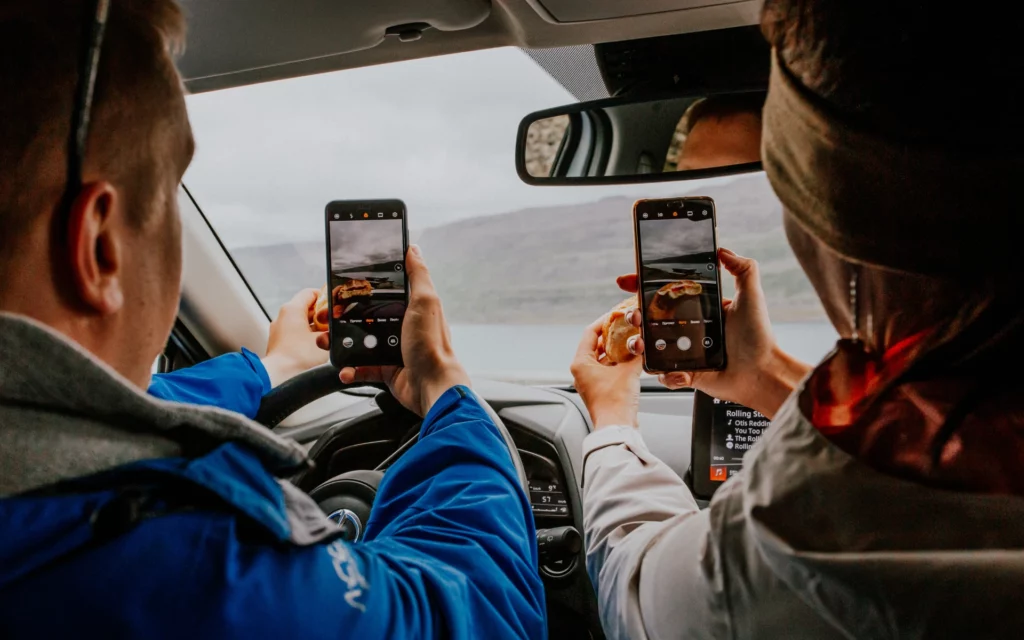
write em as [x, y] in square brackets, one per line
[734, 430]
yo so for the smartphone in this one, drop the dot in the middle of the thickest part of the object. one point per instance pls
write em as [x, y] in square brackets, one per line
[680, 292]
[366, 282]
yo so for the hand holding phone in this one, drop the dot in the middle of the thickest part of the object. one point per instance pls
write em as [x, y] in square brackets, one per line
[680, 293]
[760, 374]
[431, 367]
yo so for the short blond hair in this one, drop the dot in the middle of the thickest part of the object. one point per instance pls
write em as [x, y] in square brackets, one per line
[139, 130]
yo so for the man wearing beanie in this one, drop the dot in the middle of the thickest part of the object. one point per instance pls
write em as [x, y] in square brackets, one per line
[887, 498]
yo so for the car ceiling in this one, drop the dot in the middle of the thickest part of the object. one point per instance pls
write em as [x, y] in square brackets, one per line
[233, 43]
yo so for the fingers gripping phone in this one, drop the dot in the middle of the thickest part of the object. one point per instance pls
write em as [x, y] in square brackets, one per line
[680, 292]
[367, 285]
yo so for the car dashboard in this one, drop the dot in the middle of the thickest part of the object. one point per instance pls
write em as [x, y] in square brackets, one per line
[548, 426]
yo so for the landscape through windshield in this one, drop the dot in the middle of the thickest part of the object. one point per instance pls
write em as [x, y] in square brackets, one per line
[521, 269]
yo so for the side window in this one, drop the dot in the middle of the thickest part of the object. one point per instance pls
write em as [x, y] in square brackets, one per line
[750, 223]
[182, 350]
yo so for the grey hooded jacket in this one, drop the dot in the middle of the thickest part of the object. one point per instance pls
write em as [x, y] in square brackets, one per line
[806, 542]
[64, 414]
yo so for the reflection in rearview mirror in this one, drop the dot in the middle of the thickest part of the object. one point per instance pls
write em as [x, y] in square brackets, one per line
[717, 131]
[543, 141]
[627, 140]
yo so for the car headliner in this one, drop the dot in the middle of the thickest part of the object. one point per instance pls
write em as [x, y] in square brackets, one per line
[276, 39]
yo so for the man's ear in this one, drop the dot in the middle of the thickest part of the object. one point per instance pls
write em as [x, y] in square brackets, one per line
[95, 249]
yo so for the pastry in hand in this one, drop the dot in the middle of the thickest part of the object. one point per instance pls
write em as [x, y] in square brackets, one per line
[318, 320]
[668, 298]
[617, 331]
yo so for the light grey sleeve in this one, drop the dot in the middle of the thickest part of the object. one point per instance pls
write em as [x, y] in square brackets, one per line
[648, 551]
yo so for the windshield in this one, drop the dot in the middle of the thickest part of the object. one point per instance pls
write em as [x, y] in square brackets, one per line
[521, 269]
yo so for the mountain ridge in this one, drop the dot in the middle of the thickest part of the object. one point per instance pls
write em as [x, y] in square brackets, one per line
[554, 265]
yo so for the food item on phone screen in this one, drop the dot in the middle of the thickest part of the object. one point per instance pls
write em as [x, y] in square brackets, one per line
[352, 288]
[617, 331]
[348, 293]
[670, 296]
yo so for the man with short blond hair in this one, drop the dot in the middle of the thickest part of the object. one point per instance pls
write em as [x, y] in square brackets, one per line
[123, 515]
[100, 250]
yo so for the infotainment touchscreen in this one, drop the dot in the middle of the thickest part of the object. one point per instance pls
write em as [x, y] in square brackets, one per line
[722, 433]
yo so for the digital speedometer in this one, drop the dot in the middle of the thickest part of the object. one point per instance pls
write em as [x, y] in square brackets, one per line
[547, 496]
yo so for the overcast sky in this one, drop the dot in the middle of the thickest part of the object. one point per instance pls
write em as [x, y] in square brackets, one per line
[438, 133]
[672, 238]
[360, 244]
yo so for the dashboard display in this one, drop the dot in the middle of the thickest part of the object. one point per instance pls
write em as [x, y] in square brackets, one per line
[734, 430]
[547, 495]
[723, 432]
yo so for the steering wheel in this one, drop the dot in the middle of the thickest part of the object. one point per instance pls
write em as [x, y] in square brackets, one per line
[348, 498]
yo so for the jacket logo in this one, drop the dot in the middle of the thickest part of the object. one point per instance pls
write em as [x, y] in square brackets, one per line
[348, 572]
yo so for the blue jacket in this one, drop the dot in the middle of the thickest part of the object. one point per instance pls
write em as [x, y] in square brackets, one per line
[449, 550]
[234, 381]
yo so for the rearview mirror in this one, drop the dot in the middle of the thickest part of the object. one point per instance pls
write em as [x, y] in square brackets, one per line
[631, 140]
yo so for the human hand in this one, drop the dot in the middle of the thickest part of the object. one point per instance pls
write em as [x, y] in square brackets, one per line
[758, 374]
[611, 391]
[431, 367]
[292, 345]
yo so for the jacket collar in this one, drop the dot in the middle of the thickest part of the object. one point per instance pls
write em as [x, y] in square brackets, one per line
[857, 506]
[64, 414]
[840, 533]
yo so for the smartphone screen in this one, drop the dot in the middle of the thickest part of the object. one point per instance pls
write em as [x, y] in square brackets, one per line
[366, 244]
[680, 290]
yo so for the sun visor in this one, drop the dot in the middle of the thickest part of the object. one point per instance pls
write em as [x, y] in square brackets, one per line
[230, 37]
[587, 10]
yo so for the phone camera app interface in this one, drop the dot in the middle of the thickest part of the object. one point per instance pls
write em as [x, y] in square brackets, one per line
[679, 278]
[368, 284]
[734, 430]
